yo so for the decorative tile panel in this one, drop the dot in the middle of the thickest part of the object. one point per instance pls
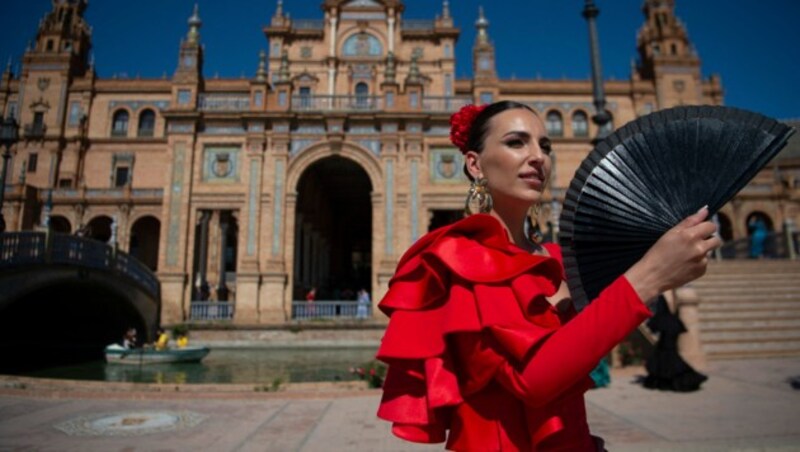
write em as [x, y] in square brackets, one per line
[277, 213]
[221, 163]
[252, 202]
[446, 166]
[176, 187]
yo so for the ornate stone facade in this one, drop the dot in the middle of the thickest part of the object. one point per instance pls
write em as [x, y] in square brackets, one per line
[321, 169]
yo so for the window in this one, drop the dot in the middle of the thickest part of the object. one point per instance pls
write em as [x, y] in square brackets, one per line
[673, 49]
[65, 183]
[362, 44]
[147, 123]
[448, 51]
[12, 110]
[305, 97]
[580, 124]
[362, 95]
[282, 98]
[414, 99]
[49, 45]
[38, 120]
[258, 98]
[121, 174]
[486, 97]
[448, 84]
[75, 113]
[184, 96]
[554, 124]
[389, 99]
[119, 124]
[33, 160]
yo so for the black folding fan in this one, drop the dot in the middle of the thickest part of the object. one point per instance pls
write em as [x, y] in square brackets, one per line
[647, 176]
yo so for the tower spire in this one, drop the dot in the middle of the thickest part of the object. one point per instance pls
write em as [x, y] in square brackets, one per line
[193, 36]
[445, 9]
[482, 24]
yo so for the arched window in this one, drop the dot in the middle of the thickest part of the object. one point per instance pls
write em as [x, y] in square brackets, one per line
[580, 124]
[554, 124]
[119, 126]
[147, 123]
[362, 95]
[362, 44]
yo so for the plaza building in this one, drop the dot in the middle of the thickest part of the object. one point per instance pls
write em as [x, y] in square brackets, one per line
[322, 168]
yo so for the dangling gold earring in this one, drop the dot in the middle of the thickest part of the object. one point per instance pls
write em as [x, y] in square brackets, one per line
[479, 196]
[532, 230]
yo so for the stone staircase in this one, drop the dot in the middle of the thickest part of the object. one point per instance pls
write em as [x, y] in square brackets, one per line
[750, 308]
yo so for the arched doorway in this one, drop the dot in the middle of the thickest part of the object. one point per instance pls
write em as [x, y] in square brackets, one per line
[100, 229]
[725, 227]
[144, 241]
[333, 230]
[60, 224]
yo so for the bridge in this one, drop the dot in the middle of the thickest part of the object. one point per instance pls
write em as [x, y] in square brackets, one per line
[62, 296]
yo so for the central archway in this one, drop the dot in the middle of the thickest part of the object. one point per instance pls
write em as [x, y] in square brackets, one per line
[333, 230]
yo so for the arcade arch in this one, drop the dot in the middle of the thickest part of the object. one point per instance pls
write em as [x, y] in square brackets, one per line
[144, 239]
[333, 241]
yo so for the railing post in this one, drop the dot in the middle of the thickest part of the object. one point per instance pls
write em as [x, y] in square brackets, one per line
[48, 245]
[788, 229]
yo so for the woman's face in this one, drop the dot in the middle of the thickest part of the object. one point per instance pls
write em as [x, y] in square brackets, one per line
[515, 159]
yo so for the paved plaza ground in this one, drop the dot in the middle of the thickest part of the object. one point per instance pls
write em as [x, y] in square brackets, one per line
[747, 405]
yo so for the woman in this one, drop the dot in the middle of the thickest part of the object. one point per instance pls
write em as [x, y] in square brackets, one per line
[666, 369]
[483, 341]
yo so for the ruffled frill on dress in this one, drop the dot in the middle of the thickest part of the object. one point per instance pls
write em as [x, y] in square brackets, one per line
[464, 278]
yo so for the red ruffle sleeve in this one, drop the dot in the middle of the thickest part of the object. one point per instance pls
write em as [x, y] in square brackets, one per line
[463, 278]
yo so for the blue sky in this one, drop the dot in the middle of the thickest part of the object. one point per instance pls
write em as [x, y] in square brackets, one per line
[752, 45]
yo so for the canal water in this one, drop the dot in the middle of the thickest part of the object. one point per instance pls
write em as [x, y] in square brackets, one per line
[260, 366]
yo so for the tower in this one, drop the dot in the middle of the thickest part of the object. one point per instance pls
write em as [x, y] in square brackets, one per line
[59, 56]
[667, 57]
[483, 62]
[189, 73]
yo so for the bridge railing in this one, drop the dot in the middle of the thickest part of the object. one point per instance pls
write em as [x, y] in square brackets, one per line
[22, 248]
[28, 248]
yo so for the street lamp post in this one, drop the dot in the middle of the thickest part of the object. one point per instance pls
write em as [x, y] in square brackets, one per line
[601, 116]
[9, 134]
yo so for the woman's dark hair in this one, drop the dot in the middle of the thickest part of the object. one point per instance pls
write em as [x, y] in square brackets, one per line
[480, 127]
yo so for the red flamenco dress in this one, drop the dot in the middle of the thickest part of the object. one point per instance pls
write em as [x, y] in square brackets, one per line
[474, 347]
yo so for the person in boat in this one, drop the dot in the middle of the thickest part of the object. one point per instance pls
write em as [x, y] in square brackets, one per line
[182, 341]
[129, 339]
[162, 341]
[484, 348]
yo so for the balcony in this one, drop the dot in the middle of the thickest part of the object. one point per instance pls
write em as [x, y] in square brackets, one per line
[34, 131]
[336, 103]
[224, 102]
[418, 25]
[308, 24]
[445, 104]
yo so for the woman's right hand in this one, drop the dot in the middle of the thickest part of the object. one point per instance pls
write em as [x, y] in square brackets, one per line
[678, 257]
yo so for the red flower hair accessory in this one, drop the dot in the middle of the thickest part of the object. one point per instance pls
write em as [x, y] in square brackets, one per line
[461, 123]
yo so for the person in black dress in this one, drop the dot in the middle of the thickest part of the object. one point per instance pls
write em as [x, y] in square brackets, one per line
[666, 370]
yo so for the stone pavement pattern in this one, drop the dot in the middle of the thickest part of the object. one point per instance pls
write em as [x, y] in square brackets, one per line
[745, 406]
